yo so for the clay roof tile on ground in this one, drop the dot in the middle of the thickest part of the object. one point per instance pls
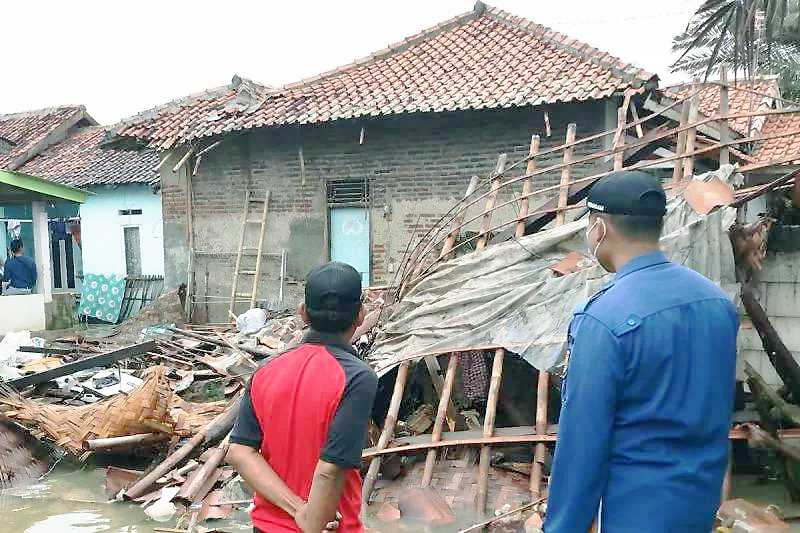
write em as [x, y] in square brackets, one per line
[527, 64]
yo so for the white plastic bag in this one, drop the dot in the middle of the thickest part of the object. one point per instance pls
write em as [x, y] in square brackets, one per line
[251, 321]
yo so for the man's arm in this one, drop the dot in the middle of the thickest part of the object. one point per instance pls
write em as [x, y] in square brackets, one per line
[245, 457]
[323, 501]
[342, 451]
[34, 272]
[263, 479]
[580, 468]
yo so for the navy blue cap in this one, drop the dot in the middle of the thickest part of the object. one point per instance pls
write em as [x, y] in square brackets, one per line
[628, 192]
[334, 287]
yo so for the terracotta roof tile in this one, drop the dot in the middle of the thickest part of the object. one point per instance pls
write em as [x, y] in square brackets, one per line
[781, 147]
[25, 130]
[742, 100]
[80, 161]
[483, 59]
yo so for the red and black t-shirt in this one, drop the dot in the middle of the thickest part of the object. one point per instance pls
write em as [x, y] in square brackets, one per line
[311, 403]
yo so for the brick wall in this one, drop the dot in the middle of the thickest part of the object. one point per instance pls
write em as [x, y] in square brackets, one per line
[779, 294]
[417, 167]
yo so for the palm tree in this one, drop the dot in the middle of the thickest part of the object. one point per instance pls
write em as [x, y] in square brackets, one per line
[746, 35]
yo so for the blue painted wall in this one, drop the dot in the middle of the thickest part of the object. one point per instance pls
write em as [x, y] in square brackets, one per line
[103, 245]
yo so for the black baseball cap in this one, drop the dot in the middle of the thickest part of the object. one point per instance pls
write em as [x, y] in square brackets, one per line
[333, 289]
[628, 192]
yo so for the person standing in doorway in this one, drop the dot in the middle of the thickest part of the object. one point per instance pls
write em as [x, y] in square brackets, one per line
[648, 395]
[302, 423]
[19, 271]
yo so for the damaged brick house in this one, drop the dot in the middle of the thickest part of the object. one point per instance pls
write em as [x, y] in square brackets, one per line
[369, 154]
[118, 229]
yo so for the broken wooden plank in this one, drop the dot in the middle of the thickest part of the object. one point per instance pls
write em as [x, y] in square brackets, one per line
[46, 349]
[102, 360]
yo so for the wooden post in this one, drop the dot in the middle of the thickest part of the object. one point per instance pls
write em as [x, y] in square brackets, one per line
[563, 192]
[691, 133]
[488, 430]
[527, 186]
[724, 131]
[680, 144]
[435, 371]
[542, 397]
[190, 292]
[490, 201]
[388, 430]
[441, 413]
[458, 219]
[619, 157]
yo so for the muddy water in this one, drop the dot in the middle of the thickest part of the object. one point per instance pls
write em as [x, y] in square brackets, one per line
[71, 499]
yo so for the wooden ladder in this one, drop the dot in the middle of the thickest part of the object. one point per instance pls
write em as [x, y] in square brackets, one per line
[238, 272]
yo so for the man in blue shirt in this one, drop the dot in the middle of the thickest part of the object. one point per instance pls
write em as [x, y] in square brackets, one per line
[648, 394]
[20, 271]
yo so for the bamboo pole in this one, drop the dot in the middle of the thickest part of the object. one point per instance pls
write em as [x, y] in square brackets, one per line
[563, 192]
[441, 414]
[487, 213]
[691, 135]
[453, 235]
[640, 164]
[527, 185]
[127, 440]
[388, 429]
[610, 152]
[724, 132]
[619, 157]
[223, 421]
[680, 144]
[488, 430]
[542, 397]
[191, 491]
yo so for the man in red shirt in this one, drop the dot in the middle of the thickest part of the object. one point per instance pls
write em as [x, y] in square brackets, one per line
[303, 420]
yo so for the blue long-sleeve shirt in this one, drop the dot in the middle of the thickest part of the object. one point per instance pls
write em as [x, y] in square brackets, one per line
[647, 404]
[21, 272]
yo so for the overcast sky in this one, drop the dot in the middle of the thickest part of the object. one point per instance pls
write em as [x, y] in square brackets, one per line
[119, 58]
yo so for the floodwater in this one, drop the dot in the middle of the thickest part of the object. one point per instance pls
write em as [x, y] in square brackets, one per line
[71, 499]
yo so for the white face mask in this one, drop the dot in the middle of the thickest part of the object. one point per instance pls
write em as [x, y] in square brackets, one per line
[593, 253]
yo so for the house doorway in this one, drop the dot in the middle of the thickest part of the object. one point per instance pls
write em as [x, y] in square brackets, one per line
[350, 239]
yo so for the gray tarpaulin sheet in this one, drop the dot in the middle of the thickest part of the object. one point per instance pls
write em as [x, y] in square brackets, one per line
[508, 296]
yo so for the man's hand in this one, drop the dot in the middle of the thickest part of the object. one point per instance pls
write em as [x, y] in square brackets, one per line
[301, 519]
